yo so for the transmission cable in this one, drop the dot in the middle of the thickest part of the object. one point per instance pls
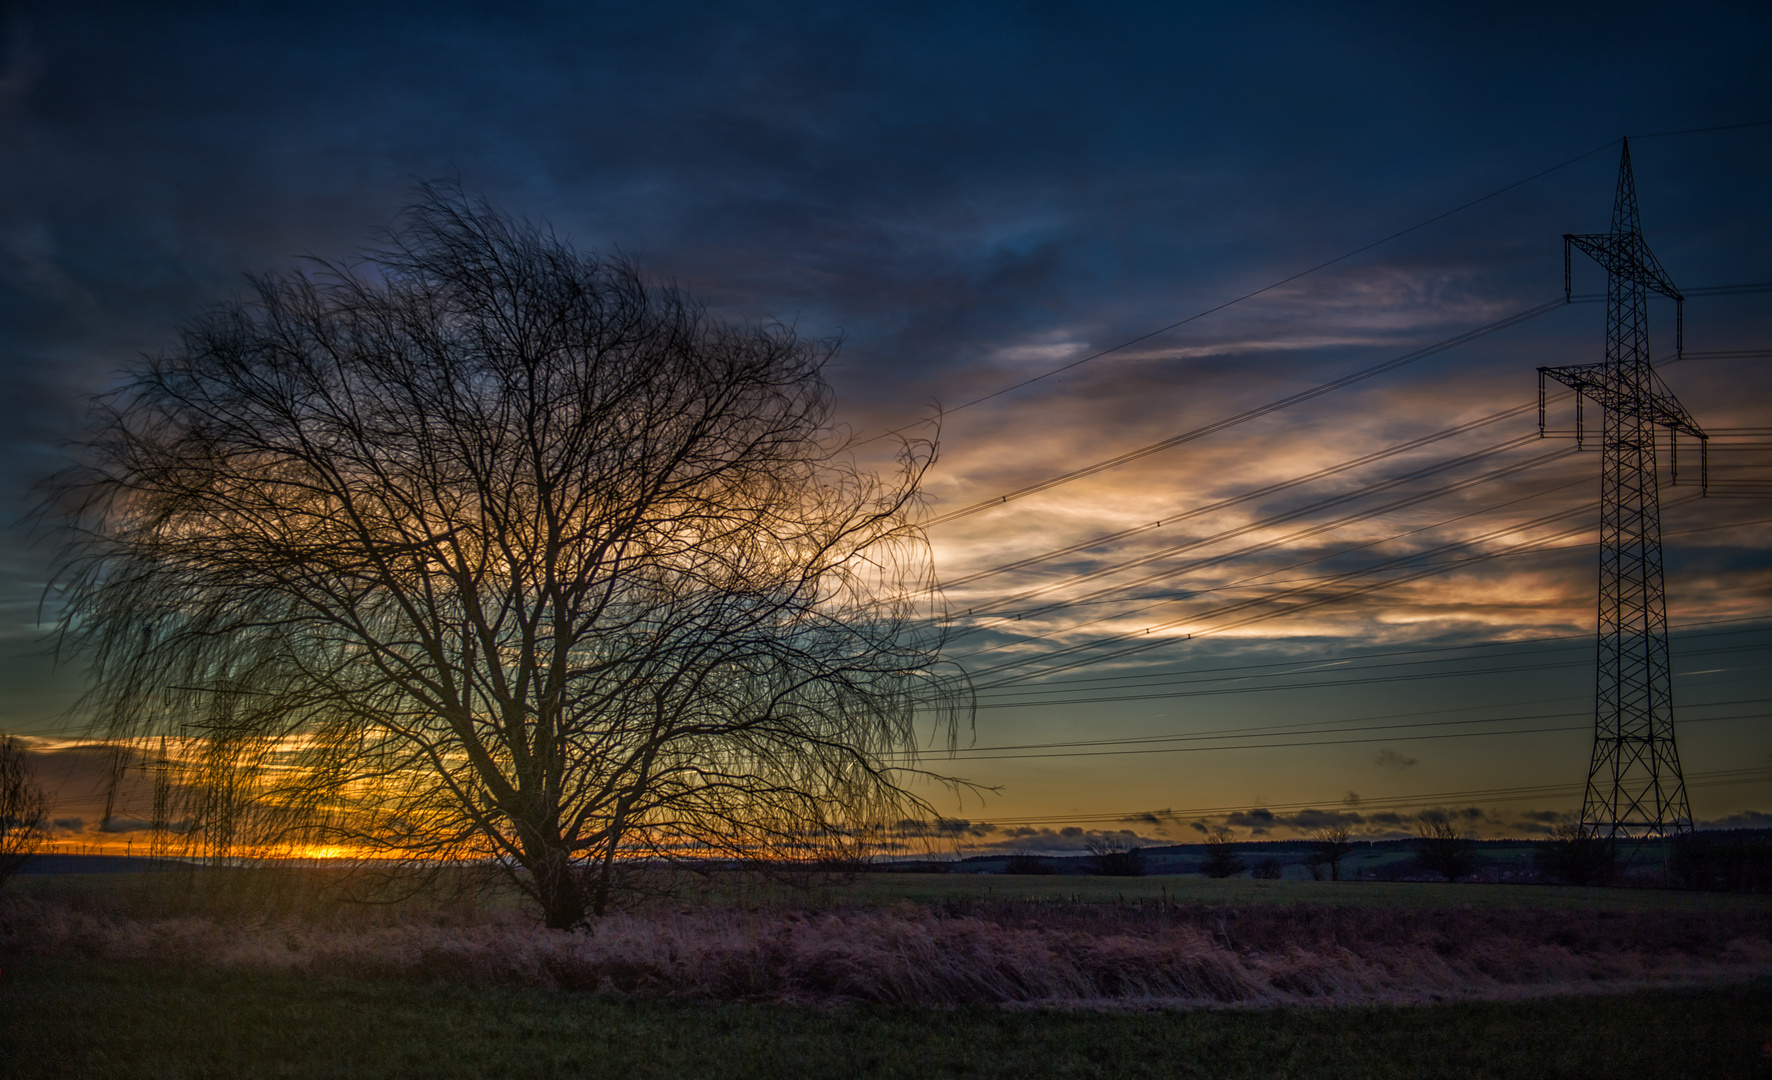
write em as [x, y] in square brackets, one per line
[1264, 289]
[1270, 489]
[1345, 551]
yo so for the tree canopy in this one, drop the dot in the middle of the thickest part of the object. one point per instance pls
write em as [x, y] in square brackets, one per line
[487, 547]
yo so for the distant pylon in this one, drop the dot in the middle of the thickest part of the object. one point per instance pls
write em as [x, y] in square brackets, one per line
[1634, 785]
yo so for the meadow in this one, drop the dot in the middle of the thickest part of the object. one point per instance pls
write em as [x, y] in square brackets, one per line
[263, 973]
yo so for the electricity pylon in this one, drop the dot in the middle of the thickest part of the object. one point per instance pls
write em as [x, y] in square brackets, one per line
[1634, 785]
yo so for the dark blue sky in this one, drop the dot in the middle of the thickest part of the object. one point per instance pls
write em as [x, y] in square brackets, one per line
[970, 194]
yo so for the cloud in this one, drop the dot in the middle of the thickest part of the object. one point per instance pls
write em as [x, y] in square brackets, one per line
[1746, 819]
[1069, 840]
[942, 827]
[1390, 759]
[71, 825]
[124, 825]
[1158, 818]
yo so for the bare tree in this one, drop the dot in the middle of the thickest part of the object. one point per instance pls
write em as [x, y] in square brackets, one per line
[1110, 856]
[1328, 848]
[486, 547]
[1222, 860]
[1442, 849]
[23, 809]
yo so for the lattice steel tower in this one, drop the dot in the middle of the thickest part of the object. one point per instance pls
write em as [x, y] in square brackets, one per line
[1634, 786]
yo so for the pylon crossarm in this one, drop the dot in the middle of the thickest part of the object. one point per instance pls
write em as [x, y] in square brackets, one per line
[1601, 384]
[1626, 257]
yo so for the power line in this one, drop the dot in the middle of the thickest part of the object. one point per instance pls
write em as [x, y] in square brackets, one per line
[1317, 391]
[1264, 289]
[1347, 659]
[1696, 131]
[1345, 724]
[1715, 778]
[1388, 564]
[1355, 742]
[1192, 593]
[1290, 515]
[1270, 489]
[1326, 579]
[1371, 680]
[1262, 410]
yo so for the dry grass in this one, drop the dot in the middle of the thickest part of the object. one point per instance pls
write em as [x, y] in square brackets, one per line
[963, 953]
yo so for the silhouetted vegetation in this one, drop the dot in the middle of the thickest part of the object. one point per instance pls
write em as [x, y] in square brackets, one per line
[1268, 870]
[1111, 857]
[23, 808]
[1025, 863]
[1222, 860]
[486, 547]
[1574, 857]
[1328, 848]
[1722, 861]
[1442, 849]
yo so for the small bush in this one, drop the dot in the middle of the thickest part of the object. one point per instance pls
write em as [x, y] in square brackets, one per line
[1270, 870]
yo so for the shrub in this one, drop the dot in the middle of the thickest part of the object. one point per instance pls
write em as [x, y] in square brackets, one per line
[1270, 870]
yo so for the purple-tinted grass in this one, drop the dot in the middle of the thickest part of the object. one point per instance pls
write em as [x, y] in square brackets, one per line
[1074, 954]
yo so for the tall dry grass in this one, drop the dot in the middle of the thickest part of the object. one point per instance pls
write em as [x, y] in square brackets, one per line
[1076, 954]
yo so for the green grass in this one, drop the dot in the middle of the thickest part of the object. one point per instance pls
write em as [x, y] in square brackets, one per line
[96, 1021]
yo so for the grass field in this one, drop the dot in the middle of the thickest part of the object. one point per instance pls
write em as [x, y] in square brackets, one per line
[98, 1021]
[874, 889]
[259, 973]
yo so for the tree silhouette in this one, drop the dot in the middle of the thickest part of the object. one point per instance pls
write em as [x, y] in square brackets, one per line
[1222, 860]
[1442, 849]
[1110, 856]
[23, 808]
[1328, 848]
[487, 547]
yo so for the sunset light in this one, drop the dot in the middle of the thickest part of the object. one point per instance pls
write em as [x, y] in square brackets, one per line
[1091, 514]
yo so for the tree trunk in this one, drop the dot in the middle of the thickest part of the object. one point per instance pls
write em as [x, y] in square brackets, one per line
[557, 887]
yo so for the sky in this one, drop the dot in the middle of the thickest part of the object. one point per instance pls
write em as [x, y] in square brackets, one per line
[971, 195]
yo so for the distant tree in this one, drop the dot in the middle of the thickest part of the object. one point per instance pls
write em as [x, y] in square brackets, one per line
[1442, 849]
[1576, 857]
[489, 548]
[1026, 862]
[23, 809]
[1221, 859]
[1268, 870]
[1111, 857]
[1328, 848]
